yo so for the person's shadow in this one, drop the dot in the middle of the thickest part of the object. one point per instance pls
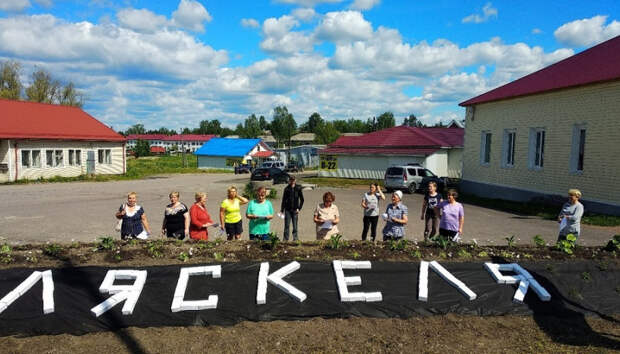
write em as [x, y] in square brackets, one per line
[562, 323]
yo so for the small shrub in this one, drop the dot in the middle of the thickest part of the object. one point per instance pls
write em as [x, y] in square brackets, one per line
[416, 254]
[52, 250]
[585, 276]
[539, 241]
[273, 240]
[398, 245]
[483, 254]
[511, 241]
[155, 248]
[613, 244]
[105, 243]
[218, 256]
[183, 256]
[441, 242]
[464, 254]
[334, 242]
[567, 245]
[355, 255]
[5, 249]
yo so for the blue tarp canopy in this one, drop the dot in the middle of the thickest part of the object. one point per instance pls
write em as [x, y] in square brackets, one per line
[227, 147]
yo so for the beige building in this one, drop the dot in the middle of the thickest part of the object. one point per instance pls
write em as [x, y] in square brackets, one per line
[43, 140]
[555, 129]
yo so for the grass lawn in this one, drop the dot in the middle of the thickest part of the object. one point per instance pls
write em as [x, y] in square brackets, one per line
[137, 168]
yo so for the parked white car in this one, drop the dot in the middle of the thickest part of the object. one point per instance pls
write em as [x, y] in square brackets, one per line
[273, 164]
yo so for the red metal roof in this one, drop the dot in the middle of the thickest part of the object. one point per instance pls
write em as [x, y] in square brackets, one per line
[377, 151]
[403, 137]
[176, 137]
[262, 154]
[597, 64]
[158, 149]
[31, 120]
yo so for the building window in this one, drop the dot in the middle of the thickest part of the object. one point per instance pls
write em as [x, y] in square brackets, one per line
[49, 154]
[58, 157]
[54, 158]
[36, 158]
[26, 158]
[485, 148]
[537, 148]
[508, 148]
[104, 156]
[578, 148]
[75, 157]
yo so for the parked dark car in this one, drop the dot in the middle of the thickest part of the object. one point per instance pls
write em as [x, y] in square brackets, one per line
[243, 168]
[294, 167]
[265, 174]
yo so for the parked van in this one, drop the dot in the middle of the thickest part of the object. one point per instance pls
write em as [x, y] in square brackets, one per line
[410, 178]
[273, 164]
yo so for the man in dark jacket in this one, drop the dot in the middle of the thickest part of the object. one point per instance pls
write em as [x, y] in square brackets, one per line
[292, 202]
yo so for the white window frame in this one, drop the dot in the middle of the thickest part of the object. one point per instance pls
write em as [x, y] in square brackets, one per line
[508, 148]
[59, 158]
[485, 147]
[26, 159]
[536, 159]
[104, 156]
[75, 158]
[36, 163]
[577, 145]
[49, 158]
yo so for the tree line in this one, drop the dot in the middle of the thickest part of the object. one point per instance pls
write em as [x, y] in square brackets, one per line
[283, 126]
[44, 88]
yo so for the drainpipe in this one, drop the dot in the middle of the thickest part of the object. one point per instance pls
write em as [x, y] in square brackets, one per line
[16, 164]
[124, 156]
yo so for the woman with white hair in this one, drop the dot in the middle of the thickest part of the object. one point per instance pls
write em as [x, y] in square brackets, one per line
[396, 218]
[570, 216]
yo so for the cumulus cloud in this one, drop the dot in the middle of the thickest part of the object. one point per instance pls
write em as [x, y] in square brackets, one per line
[191, 15]
[537, 31]
[141, 20]
[304, 14]
[279, 39]
[308, 3]
[488, 12]
[14, 5]
[167, 53]
[45, 3]
[344, 26]
[587, 32]
[249, 23]
[364, 4]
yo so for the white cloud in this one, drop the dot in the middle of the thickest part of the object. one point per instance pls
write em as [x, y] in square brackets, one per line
[304, 14]
[455, 88]
[141, 20]
[537, 31]
[344, 26]
[14, 5]
[191, 15]
[166, 53]
[587, 32]
[364, 4]
[488, 12]
[308, 3]
[249, 23]
[278, 38]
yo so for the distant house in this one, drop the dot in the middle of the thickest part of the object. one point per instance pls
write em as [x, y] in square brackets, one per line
[178, 142]
[268, 139]
[552, 130]
[369, 155]
[224, 153]
[44, 140]
[302, 139]
[305, 155]
[158, 150]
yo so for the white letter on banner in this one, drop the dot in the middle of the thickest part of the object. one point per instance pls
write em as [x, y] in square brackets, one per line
[275, 278]
[344, 282]
[447, 276]
[127, 293]
[523, 278]
[178, 302]
[21, 289]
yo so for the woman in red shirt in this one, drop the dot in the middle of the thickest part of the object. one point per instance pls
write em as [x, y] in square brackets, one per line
[200, 218]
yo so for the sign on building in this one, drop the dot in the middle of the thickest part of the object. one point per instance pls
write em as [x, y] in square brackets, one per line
[329, 162]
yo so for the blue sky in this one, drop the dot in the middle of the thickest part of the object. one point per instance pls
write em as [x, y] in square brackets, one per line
[174, 63]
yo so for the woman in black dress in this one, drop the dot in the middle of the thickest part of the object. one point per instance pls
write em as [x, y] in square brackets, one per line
[176, 218]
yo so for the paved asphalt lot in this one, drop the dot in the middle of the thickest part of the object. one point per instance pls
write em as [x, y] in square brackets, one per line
[83, 211]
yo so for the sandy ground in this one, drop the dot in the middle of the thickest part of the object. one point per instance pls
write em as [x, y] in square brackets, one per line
[83, 211]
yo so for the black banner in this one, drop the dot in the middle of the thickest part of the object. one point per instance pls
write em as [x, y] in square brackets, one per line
[578, 287]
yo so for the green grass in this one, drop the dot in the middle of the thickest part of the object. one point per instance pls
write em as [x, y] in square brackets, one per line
[340, 182]
[136, 169]
[544, 211]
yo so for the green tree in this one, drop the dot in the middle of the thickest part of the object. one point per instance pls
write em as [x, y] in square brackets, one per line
[314, 121]
[142, 148]
[135, 129]
[226, 132]
[43, 88]
[412, 121]
[10, 84]
[251, 127]
[283, 125]
[385, 120]
[69, 96]
[186, 130]
[264, 124]
[326, 133]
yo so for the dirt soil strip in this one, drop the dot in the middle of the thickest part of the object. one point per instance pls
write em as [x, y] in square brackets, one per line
[437, 334]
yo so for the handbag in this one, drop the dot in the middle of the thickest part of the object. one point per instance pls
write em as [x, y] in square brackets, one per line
[119, 222]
